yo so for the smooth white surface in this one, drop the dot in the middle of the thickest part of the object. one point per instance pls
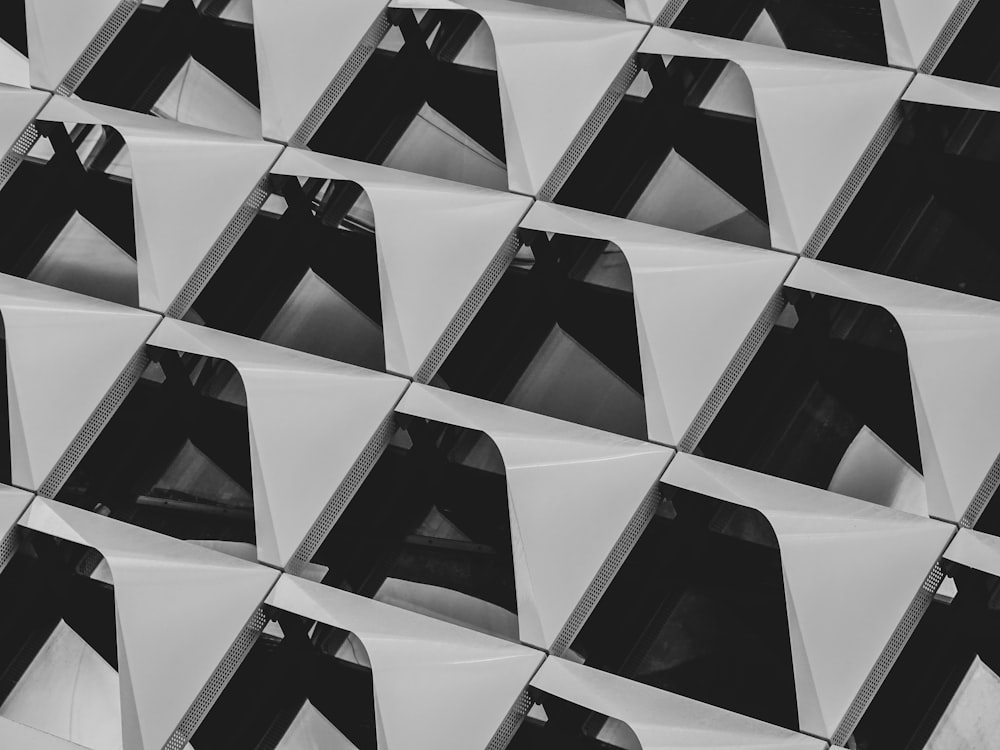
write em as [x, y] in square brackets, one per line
[953, 349]
[178, 609]
[871, 470]
[571, 492]
[434, 239]
[911, 27]
[310, 730]
[553, 68]
[975, 549]
[309, 420]
[12, 504]
[850, 571]
[436, 685]
[662, 720]
[64, 352]
[301, 45]
[58, 33]
[815, 118]
[14, 735]
[696, 299]
[947, 92]
[187, 183]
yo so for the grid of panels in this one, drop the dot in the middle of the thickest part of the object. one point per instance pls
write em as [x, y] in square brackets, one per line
[522, 336]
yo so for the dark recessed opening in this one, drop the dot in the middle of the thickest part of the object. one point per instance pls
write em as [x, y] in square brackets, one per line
[829, 388]
[680, 151]
[429, 530]
[557, 724]
[557, 336]
[974, 54]
[927, 212]
[698, 609]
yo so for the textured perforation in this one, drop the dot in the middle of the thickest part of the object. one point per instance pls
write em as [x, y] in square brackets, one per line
[889, 654]
[508, 727]
[322, 109]
[348, 487]
[491, 276]
[951, 29]
[982, 496]
[23, 144]
[741, 360]
[116, 21]
[220, 249]
[218, 681]
[640, 519]
[89, 432]
[8, 546]
[589, 130]
[854, 182]
[670, 12]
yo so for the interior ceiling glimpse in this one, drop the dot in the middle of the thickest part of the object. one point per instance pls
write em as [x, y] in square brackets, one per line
[499, 374]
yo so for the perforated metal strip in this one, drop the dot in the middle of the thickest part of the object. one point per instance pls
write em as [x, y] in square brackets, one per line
[218, 681]
[948, 34]
[889, 655]
[854, 182]
[8, 547]
[491, 276]
[93, 427]
[220, 249]
[733, 373]
[116, 21]
[640, 519]
[982, 496]
[322, 109]
[508, 728]
[670, 12]
[589, 130]
[347, 489]
[23, 144]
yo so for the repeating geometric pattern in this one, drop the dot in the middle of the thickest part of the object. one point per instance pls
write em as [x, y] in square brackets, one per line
[474, 374]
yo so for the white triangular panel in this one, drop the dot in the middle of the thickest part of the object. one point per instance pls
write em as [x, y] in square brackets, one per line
[12, 504]
[644, 11]
[434, 240]
[58, 33]
[662, 720]
[696, 299]
[301, 46]
[911, 27]
[953, 348]
[976, 550]
[850, 569]
[553, 68]
[187, 183]
[310, 418]
[14, 735]
[948, 92]
[437, 685]
[179, 607]
[17, 108]
[571, 490]
[64, 352]
[816, 116]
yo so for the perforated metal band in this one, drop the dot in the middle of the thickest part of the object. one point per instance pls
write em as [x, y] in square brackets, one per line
[8, 547]
[13, 157]
[854, 182]
[219, 251]
[491, 276]
[509, 726]
[218, 681]
[590, 130]
[670, 12]
[347, 489]
[93, 427]
[948, 34]
[982, 496]
[734, 371]
[889, 654]
[612, 564]
[116, 21]
[322, 109]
